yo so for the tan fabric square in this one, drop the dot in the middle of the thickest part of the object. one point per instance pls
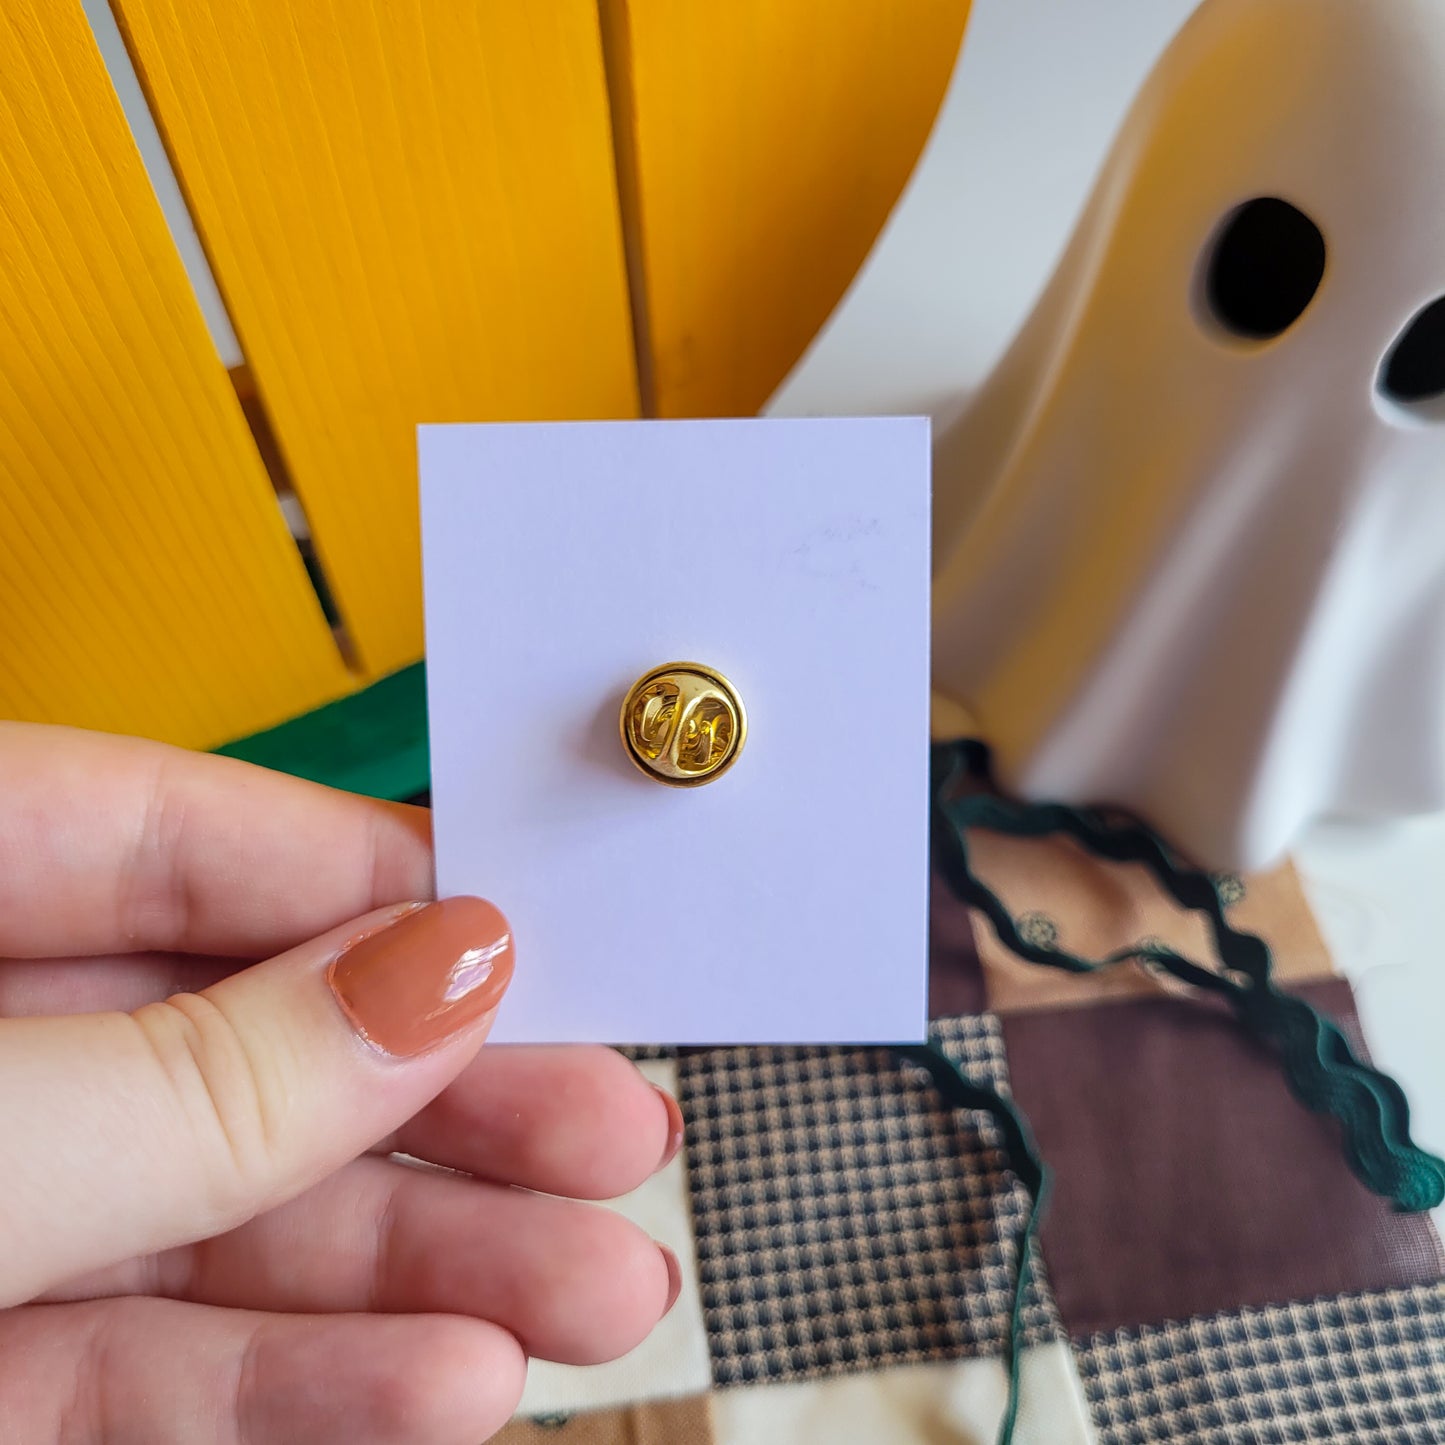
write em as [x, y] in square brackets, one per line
[659, 1422]
[1059, 894]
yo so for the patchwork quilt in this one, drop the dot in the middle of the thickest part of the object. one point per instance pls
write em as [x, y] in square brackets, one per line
[1210, 1269]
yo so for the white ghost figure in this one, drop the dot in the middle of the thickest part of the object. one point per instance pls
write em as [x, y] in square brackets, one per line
[1191, 533]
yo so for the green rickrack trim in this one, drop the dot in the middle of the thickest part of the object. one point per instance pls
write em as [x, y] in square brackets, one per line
[961, 1092]
[1320, 1065]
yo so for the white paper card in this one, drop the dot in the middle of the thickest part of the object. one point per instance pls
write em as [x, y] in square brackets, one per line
[785, 901]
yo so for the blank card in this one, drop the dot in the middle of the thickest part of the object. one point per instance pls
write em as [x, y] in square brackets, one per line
[781, 898]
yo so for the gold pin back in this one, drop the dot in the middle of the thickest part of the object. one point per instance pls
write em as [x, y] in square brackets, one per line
[683, 724]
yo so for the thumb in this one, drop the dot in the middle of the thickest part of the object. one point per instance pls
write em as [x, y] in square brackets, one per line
[124, 1134]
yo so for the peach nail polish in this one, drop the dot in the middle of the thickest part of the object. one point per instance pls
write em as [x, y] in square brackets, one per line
[674, 1127]
[417, 981]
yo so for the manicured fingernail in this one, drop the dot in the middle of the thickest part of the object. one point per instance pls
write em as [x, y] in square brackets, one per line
[674, 1127]
[674, 1277]
[428, 975]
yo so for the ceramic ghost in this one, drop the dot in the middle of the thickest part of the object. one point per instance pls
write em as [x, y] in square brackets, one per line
[1191, 534]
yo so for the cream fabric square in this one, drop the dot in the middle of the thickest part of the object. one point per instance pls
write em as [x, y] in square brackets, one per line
[958, 1403]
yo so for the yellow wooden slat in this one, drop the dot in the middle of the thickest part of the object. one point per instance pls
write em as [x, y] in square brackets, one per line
[147, 582]
[767, 141]
[411, 209]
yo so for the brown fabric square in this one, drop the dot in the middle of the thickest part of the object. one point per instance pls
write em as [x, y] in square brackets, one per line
[955, 978]
[1188, 1178]
[658, 1422]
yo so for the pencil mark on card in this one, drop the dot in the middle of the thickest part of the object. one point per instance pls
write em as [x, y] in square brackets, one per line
[830, 552]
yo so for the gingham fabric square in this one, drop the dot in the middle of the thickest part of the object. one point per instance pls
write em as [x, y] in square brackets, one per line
[845, 1219]
[1361, 1369]
[640, 1053]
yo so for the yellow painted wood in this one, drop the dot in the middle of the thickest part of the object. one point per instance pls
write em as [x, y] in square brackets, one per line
[147, 582]
[766, 142]
[411, 209]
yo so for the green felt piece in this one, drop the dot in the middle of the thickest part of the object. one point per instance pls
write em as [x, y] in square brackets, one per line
[372, 742]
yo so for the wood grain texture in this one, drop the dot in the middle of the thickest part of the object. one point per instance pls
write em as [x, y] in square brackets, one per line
[765, 142]
[147, 582]
[411, 209]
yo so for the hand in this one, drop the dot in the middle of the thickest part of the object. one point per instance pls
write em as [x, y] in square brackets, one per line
[202, 1237]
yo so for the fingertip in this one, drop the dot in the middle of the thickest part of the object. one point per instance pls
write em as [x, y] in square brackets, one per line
[445, 1379]
[461, 1388]
[579, 1121]
[609, 1284]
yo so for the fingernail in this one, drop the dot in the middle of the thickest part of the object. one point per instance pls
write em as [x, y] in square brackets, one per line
[674, 1277]
[419, 980]
[674, 1127]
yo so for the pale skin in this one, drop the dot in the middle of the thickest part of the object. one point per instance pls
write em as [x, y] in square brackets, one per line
[204, 1239]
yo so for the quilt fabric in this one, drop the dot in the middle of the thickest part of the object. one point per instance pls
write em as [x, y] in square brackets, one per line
[1211, 1270]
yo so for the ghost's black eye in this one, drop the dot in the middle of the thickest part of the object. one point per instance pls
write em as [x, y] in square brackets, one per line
[1266, 265]
[1414, 370]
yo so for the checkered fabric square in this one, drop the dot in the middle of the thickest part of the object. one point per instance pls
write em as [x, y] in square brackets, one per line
[640, 1053]
[1361, 1369]
[845, 1218]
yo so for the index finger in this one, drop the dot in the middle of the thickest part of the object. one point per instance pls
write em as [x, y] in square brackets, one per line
[118, 844]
